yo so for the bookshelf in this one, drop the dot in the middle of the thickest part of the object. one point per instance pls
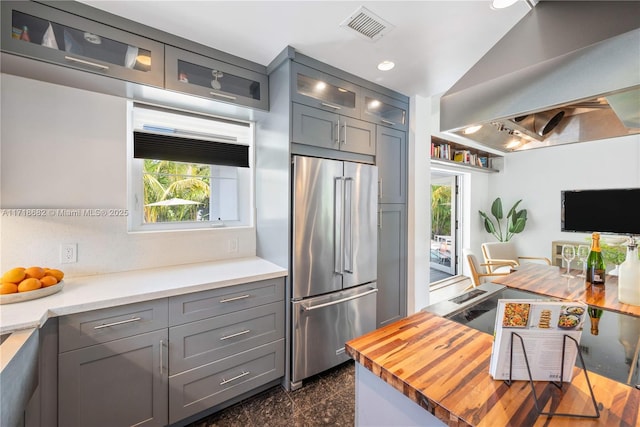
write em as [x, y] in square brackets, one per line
[459, 155]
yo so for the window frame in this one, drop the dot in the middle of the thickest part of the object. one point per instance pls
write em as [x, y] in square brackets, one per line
[135, 185]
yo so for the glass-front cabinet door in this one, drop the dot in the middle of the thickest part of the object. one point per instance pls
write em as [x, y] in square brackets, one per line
[48, 34]
[320, 90]
[384, 110]
[188, 72]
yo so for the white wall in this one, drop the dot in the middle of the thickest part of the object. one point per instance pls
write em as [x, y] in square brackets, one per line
[538, 176]
[66, 148]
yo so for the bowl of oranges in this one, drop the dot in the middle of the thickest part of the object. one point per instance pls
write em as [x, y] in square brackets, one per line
[23, 284]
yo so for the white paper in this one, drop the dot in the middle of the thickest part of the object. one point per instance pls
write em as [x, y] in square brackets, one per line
[49, 38]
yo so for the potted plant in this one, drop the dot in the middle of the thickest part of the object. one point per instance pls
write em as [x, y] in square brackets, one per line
[515, 220]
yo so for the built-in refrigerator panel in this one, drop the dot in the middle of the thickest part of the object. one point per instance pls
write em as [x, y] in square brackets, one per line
[316, 226]
[360, 224]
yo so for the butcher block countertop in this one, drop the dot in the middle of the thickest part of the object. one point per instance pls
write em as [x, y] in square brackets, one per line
[547, 280]
[443, 366]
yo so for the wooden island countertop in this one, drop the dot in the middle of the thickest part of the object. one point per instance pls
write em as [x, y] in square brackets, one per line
[443, 366]
[547, 280]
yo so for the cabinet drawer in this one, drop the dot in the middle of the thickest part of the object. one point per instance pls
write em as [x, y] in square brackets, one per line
[98, 326]
[205, 341]
[198, 389]
[201, 305]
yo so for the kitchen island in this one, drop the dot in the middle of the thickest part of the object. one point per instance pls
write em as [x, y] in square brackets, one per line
[443, 367]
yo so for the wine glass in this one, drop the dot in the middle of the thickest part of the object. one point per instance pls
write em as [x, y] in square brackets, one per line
[568, 254]
[582, 254]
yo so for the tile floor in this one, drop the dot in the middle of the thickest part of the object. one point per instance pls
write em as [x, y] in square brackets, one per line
[328, 399]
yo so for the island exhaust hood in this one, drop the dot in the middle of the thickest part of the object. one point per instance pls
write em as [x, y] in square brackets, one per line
[569, 71]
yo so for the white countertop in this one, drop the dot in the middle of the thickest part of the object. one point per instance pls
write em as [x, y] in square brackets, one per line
[101, 291]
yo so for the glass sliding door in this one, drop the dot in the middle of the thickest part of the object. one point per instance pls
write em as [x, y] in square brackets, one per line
[443, 225]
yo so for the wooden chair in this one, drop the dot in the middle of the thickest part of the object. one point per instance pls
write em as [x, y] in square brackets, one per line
[475, 267]
[500, 252]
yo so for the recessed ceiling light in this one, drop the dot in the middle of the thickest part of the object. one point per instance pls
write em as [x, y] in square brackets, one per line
[472, 129]
[501, 4]
[386, 65]
[514, 143]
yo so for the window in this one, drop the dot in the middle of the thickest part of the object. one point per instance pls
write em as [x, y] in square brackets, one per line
[188, 171]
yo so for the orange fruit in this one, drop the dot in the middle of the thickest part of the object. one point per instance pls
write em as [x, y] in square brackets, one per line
[34, 272]
[29, 284]
[8, 288]
[48, 281]
[15, 275]
[55, 273]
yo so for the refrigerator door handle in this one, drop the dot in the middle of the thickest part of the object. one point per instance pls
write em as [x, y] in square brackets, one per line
[348, 225]
[338, 220]
[327, 304]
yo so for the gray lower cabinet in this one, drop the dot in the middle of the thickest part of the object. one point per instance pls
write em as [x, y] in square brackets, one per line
[161, 361]
[312, 126]
[392, 270]
[113, 367]
[224, 343]
[118, 383]
[391, 159]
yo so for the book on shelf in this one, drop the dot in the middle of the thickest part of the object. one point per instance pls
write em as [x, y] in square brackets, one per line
[542, 325]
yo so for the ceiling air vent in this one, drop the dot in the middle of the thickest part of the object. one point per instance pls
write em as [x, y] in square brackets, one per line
[367, 24]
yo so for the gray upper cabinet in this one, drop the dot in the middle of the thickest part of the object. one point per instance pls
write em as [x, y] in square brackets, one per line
[312, 126]
[320, 90]
[384, 110]
[391, 159]
[199, 75]
[48, 34]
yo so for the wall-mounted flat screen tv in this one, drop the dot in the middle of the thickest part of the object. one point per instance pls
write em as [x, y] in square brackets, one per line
[615, 211]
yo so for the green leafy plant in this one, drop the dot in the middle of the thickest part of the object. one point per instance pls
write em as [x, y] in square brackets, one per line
[515, 220]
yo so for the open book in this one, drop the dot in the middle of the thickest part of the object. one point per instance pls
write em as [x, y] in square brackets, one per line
[542, 326]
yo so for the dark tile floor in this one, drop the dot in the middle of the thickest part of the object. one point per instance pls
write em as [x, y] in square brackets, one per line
[328, 399]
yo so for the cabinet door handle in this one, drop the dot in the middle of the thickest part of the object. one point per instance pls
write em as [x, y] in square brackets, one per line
[344, 141]
[338, 132]
[235, 298]
[380, 219]
[222, 95]
[91, 64]
[226, 337]
[122, 322]
[243, 374]
[380, 188]
[388, 122]
[161, 355]
[335, 107]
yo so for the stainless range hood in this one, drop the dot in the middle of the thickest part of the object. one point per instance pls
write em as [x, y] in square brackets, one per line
[569, 71]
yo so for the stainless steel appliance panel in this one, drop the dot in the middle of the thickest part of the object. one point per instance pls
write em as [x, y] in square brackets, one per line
[360, 224]
[317, 228]
[322, 325]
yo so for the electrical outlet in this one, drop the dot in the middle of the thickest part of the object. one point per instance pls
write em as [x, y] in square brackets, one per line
[68, 253]
[233, 245]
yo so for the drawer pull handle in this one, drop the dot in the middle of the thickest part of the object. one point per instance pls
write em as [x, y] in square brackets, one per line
[243, 374]
[335, 107]
[235, 298]
[246, 331]
[82, 61]
[122, 322]
[222, 95]
[387, 122]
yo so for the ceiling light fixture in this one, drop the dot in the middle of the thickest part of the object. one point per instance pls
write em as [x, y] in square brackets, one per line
[472, 129]
[501, 4]
[386, 65]
[321, 85]
[514, 143]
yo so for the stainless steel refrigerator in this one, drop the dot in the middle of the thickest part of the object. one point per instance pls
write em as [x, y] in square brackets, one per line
[334, 261]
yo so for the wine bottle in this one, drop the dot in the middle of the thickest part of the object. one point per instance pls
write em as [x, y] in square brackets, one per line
[595, 263]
